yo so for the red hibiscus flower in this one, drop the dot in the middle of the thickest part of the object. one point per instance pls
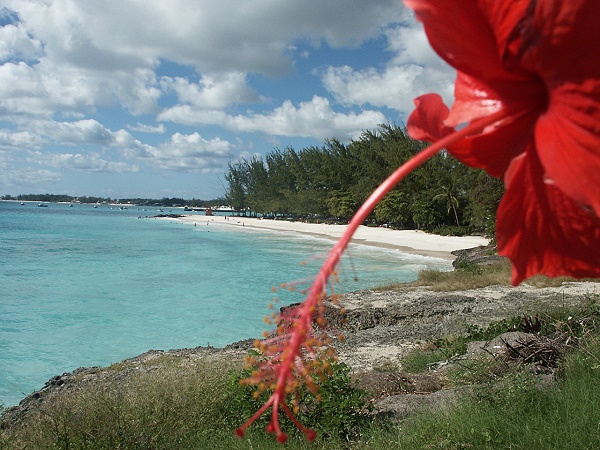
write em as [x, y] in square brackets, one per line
[537, 65]
[528, 102]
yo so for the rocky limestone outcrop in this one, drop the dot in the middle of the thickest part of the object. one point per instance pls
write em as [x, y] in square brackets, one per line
[380, 327]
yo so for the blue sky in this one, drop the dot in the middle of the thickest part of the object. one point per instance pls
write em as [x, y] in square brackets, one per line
[132, 98]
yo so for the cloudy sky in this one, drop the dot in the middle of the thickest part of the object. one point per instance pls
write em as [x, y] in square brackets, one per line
[153, 98]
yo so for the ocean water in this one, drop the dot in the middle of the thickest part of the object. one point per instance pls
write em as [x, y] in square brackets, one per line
[84, 286]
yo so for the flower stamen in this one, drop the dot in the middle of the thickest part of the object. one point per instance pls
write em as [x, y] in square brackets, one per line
[295, 339]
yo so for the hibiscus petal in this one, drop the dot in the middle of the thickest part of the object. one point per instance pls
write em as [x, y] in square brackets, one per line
[494, 148]
[426, 122]
[483, 86]
[568, 142]
[476, 98]
[506, 20]
[542, 230]
[460, 34]
[562, 41]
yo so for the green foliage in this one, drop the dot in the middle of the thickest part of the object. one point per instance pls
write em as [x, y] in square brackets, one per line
[341, 412]
[423, 358]
[333, 180]
[468, 276]
[452, 230]
[419, 360]
[393, 209]
[169, 406]
[564, 417]
[341, 205]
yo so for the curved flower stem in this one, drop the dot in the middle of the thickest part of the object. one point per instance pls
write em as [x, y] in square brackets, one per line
[367, 207]
[292, 349]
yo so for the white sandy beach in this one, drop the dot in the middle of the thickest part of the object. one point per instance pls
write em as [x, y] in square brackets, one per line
[409, 241]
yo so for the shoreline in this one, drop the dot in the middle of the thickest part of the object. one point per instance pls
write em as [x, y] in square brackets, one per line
[381, 328]
[408, 241]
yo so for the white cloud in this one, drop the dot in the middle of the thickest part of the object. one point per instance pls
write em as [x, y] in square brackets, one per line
[20, 177]
[191, 153]
[90, 162]
[224, 36]
[414, 70]
[44, 89]
[315, 119]
[18, 140]
[91, 55]
[15, 43]
[212, 92]
[87, 131]
[142, 128]
[74, 73]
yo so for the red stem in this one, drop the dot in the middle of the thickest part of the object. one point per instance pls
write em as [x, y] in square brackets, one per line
[308, 308]
[367, 207]
[318, 287]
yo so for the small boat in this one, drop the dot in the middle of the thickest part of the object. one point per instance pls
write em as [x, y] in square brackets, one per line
[42, 205]
[22, 203]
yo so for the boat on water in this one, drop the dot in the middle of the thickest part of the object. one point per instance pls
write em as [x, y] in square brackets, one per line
[42, 205]
[22, 203]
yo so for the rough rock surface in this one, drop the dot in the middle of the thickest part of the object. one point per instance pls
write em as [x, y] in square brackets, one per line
[479, 256]
[380, 328]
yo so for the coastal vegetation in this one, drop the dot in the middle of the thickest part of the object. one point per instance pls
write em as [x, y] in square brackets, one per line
[330, 182]
[167, 402]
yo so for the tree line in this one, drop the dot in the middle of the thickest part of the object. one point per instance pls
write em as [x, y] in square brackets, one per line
[330, 183]
[165, 201]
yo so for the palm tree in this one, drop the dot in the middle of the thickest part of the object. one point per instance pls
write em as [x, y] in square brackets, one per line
[450, 197]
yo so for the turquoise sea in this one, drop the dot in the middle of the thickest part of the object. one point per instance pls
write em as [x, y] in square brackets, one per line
[85, 286]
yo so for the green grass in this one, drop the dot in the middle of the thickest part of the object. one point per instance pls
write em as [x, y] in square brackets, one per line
[470, 276]
[180, 403]
[517, 414]
[175, 406]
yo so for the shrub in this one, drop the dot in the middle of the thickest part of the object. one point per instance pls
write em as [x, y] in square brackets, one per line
[341, 411]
